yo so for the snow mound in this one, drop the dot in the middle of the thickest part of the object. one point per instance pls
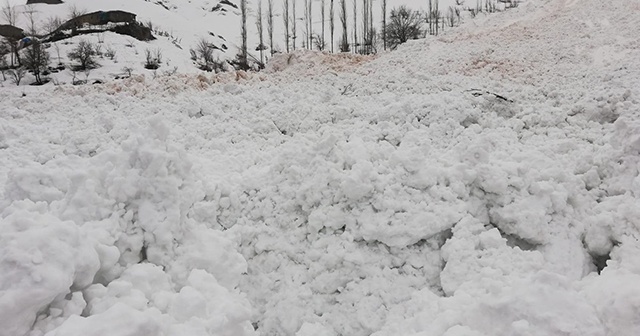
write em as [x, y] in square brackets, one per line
[108, 238]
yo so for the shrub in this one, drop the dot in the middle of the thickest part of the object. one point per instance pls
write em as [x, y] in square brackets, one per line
[344, 45]
[110, 52]
[202, 56]
[128, 71]
[405, 24]
[153, 59]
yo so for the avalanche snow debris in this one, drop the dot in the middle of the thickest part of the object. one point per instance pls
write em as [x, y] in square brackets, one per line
[285, 208]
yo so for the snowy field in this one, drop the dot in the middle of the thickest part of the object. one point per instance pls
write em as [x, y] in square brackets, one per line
[481, 183]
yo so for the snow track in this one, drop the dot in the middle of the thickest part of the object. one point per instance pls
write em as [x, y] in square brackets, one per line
[484, 182]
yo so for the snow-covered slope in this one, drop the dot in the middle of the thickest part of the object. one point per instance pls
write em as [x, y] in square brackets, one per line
[178, 26]
[484, 182]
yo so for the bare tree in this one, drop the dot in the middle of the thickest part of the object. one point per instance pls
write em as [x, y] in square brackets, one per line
[10, 15]
[84, 54]
[365, 25]
[405, 24]
[260, 27]
[322, 16]
[436, 14]
[30, 14]
[429, 16]
[355, 26]
[306, 20]
[308, 24]
[384, 24]
[4, 51]
[243, 33]
[270, 24]
[17, 75]
[434, 17]
[4, 67]
[87, 73]
[368, 31]
[56, 46]
[332, 23]
[36, 60]
[371, 25]
[451, 17]
[75, 12]
[372, 29]
[52, 23]
[294, 30]
[285, 18]
[490, 6]
[344, 42]
[15, 54]
[310, 9]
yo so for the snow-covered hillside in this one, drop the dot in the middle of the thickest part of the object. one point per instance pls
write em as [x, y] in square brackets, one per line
[176, 27]
[179, 27]
[484, 182]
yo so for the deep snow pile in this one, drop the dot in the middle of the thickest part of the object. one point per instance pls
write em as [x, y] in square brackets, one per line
[114, 231]
[462, 186]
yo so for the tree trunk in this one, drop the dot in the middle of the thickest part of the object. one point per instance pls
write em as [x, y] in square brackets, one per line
[243, 49]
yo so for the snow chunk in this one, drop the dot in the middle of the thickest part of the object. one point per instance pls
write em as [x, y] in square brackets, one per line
[119, 320]
[42, 258]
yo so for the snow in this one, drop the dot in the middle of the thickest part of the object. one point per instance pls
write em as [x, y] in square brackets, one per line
[462, 185]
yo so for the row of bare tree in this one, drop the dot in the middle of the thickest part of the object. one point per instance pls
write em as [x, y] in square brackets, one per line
[362, 39]
[358, 32]
[397, 26]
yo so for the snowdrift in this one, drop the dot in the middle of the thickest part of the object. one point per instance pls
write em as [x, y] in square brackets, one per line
[461, 186]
